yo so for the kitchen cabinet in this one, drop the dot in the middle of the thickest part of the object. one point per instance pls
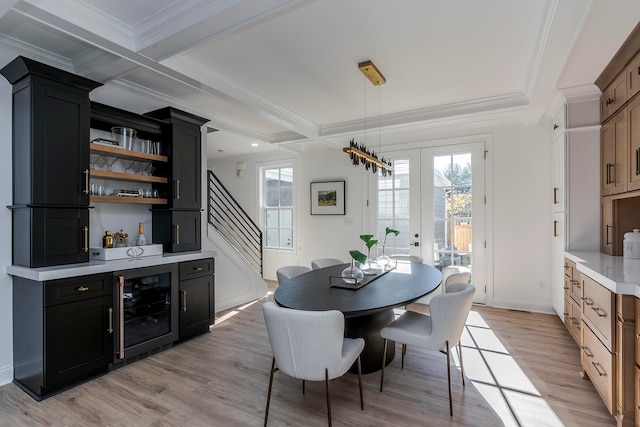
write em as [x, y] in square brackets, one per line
[178, 228]
[197, 302]
[633, 177]
[178, 231]
[613, 96]
[63, 332]
[51, 111]
[185, 153]
[614, 155]
[608, 344]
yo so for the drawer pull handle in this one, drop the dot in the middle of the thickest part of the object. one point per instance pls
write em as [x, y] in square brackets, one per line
[586, 350]
[110, 311]
[638, 336]
[587, 301]
[198, 268]
[599, 312]
[82, 289]
[601, 373]
[565, 288]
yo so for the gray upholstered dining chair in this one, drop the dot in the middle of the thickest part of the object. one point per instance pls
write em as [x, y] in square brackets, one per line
[450, 274]
[310, 345]
[438, 331]
[325, 262]
[289, 271]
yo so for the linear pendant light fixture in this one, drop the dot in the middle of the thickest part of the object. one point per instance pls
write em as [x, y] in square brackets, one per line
[359, 153]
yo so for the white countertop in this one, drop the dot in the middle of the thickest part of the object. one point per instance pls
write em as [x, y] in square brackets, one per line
[95, 267]
[619, 275]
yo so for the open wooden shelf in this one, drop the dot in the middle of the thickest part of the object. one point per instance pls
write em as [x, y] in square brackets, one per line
[121, 153]
[121, 176]
[120, 199]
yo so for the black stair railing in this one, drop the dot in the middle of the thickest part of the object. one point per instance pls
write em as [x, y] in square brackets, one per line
[233, 223]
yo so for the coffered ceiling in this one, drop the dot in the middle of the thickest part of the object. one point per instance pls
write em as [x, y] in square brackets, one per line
[283, 73]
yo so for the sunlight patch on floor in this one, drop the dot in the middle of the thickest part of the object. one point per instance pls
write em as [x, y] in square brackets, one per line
[499, 378]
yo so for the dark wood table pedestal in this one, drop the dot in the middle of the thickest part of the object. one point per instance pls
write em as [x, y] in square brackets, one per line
[368, 327]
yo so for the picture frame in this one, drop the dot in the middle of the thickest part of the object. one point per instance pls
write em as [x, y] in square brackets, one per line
[327, 198]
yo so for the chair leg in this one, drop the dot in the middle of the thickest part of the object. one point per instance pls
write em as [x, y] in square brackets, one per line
[448, 352]
[404, 351]
[384, 361]
[326, 381]
[273, 370]
[360, 383]
[459, 347]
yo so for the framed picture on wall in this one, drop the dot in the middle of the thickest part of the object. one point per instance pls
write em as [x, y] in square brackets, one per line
[327, 198]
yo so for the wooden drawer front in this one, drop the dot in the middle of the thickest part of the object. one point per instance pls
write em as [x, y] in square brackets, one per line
[637, 382]
[78, 288]
[576, 287]
[567, 286]
[575, 320]
[199, 268]
[566, 315]
[569, 268]
[599, 364]
[637, 336]
[598, 309]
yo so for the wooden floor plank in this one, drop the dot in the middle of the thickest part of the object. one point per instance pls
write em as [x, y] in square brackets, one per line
[221, 379]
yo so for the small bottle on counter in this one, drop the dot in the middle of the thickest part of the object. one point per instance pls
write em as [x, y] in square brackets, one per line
[107, 240]
[141, 240]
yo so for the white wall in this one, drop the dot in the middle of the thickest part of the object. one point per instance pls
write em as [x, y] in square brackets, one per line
[519, 199]
[6, 199]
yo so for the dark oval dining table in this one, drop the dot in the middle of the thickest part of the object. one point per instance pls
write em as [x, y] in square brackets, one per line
[366, 310]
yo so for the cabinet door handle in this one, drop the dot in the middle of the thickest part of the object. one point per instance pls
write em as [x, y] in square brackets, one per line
[587, 301]
[601, 373]
[555, 126]
[637, 161]
[599, 312]
[177, 234]
[184, 300]
[82, 289]
[555, 228]
[607, 242]
[86, 181]
[85, 230]
[177, 188]
[121, 316]
[110, 313]
[555, 195]
[586, 350]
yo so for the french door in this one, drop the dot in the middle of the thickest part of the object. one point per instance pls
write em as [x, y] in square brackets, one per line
[436, 200]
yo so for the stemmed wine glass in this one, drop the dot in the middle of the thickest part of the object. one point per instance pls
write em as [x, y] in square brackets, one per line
[93, 159]
[110, 160]
[126, 164]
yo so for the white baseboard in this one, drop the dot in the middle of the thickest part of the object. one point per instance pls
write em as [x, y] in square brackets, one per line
[523, 305]
[6, 375]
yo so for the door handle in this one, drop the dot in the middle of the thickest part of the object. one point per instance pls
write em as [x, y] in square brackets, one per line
[416, 244]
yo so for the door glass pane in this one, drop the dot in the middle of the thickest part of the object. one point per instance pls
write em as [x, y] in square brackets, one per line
[452, 210]
[393, 208]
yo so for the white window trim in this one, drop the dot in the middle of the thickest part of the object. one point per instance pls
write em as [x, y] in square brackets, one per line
[282, 163]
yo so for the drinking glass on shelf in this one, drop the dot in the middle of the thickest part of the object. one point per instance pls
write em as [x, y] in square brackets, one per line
[126, 164]
[93, 159]
[149, 169]
[99, 163]
[137, 167]
[110, 160]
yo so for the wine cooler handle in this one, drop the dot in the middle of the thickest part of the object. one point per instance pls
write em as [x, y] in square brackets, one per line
[121, 316]
[110, 313]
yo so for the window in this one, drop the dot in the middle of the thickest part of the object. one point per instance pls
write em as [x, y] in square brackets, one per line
[393, 208]
[277, 206]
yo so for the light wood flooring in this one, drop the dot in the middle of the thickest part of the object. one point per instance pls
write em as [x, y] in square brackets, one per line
[522, 369]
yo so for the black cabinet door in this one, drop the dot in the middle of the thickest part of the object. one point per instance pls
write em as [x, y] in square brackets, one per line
[178, 231]
[196, 305]
[186, 166]
[50, 144]
[50, 236]
[79, 340]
